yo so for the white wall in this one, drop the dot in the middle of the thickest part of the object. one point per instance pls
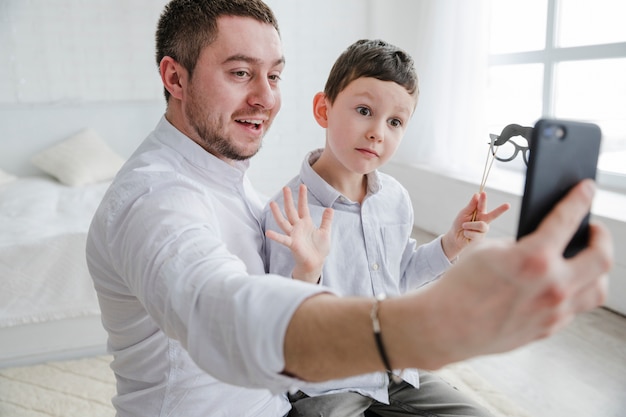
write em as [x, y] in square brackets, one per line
[25, 130]
[314, 34]
[70, 64]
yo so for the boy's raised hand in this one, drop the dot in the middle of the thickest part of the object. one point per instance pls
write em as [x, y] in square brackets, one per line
[309, 244]
[470, 225]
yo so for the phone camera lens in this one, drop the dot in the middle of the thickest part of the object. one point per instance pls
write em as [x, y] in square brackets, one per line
[554, 132]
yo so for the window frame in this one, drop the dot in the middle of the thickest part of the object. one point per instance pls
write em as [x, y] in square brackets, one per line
[549, 57]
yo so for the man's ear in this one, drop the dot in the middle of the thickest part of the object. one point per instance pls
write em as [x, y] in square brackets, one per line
[320, 109]
[173, 76]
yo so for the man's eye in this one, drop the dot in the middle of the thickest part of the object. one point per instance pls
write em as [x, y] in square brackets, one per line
[363, 110]
[275, 78]
[240, 74]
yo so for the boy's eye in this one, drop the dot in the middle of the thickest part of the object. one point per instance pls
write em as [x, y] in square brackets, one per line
[364, 111]
[395, 122]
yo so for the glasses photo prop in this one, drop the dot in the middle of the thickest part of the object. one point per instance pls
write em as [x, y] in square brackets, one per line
[508, 148]
[504, 149]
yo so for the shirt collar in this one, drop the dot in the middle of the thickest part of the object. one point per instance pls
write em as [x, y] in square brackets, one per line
[197, 156]
[325, 193]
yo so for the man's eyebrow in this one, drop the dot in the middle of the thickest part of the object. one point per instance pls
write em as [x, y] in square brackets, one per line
[251, 60]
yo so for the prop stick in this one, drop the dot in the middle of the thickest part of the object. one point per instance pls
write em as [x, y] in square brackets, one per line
[496, 141]
[491, 156]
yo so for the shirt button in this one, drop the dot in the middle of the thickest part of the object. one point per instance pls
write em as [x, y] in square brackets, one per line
[375, 266]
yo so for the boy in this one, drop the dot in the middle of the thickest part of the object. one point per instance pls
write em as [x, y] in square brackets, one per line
[367, 102]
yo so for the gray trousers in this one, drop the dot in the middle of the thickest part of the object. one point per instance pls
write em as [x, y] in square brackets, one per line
[434, 398]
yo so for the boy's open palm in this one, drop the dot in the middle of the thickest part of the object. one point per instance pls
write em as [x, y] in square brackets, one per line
[309, 244]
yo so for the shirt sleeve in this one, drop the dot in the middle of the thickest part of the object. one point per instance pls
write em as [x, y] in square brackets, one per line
[173, 260]
[424, 263]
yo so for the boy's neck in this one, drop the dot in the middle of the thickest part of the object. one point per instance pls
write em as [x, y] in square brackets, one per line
[351, 185]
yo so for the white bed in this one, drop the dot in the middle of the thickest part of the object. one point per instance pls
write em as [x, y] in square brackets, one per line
[48, 307]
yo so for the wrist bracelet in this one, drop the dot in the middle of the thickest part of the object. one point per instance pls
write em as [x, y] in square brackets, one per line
[379, 341]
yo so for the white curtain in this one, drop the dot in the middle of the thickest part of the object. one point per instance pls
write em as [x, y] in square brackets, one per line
[448, 40]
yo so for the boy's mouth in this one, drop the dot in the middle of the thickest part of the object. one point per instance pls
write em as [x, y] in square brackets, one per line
[368, 151]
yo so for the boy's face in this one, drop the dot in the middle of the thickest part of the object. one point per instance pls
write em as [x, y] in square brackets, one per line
[366, 123]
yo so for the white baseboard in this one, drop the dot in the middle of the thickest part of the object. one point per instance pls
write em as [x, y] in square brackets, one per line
[54, 340]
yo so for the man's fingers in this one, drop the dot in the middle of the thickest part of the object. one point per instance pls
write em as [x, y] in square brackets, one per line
[557, 229]
[594, 261]
[590, 296]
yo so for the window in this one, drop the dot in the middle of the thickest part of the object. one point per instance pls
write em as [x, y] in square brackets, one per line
[563, 59]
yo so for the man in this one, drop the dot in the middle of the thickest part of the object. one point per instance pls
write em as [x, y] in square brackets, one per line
[174, 249]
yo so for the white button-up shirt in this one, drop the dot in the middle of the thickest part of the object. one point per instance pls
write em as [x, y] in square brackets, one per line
[371, 253]
[175, 254]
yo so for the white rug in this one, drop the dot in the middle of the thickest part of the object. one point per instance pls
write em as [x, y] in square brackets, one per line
[466, 380]
[84, 387]
[79, 388]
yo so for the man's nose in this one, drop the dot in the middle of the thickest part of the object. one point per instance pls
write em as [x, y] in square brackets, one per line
[263, 94]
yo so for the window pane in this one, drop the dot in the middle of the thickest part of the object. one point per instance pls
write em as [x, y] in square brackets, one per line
[596, 91]
[584, 22]
[514, 95]
[517, 26]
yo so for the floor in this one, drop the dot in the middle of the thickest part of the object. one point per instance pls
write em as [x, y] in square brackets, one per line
[579, 372]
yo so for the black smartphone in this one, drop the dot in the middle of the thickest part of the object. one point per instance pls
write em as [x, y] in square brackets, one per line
[562, 153]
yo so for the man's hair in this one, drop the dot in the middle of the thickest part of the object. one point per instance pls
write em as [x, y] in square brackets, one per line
[372, 58]
[187, 26]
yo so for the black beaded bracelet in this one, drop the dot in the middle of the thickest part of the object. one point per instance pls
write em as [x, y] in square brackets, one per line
[379, 341]
[376, 326]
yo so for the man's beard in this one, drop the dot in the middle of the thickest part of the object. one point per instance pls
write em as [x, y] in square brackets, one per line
[208, 132]
[217, 144]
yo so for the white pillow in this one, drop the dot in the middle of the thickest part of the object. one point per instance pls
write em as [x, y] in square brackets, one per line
[79, 160]
[6, 177]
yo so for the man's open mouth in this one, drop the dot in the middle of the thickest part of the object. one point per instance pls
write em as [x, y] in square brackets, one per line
[254, 123]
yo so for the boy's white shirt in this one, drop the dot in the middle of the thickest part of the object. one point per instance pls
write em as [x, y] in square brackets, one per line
[371, 253]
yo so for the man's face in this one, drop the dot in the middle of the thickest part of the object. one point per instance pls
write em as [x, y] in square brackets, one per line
[233, 95]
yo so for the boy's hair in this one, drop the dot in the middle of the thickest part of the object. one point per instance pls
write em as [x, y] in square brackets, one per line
[187, 26]
[372, 58]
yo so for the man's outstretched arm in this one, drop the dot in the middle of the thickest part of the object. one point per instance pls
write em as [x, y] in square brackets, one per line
[499, 296]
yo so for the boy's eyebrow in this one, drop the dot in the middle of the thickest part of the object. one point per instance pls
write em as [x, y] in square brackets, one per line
[371, 95]
[252, 60]
[365, 93]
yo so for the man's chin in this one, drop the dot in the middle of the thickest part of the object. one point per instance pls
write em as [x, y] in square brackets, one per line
[242, 154]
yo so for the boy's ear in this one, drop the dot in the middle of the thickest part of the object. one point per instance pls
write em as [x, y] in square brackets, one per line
[320, 109]
[172, 76]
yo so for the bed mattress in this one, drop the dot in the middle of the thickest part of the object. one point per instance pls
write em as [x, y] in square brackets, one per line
[43, 271]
